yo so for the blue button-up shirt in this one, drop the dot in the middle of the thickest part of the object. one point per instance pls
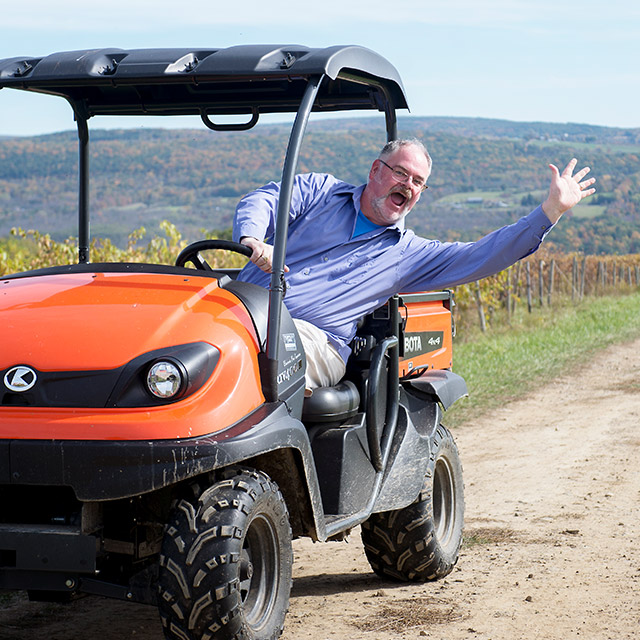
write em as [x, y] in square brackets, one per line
[334, 279]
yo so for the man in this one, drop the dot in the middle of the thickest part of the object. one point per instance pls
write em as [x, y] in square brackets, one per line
[348, 250]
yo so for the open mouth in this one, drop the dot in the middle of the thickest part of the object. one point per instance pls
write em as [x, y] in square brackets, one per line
[398, 198]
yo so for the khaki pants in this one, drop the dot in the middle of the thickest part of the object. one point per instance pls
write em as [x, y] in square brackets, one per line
[325, 367]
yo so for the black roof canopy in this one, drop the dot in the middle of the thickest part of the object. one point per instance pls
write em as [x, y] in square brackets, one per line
[234, 80]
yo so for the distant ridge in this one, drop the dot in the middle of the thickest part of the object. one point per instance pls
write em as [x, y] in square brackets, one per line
[486, 173]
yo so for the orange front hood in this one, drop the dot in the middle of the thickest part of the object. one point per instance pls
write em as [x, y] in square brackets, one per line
[102, 321]
[95, 321]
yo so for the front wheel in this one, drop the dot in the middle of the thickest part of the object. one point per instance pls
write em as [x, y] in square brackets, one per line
[225, 567]
[422, 541]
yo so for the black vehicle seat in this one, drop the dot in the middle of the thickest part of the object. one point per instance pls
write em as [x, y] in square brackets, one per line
[331, 404]
[342, 401]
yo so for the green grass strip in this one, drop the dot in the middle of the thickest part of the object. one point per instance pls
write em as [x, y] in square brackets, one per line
[504, 364]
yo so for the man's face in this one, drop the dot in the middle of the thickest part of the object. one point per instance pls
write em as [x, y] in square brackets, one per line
[385, 200]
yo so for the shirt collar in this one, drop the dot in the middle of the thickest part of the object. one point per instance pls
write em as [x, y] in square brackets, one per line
[357, 195]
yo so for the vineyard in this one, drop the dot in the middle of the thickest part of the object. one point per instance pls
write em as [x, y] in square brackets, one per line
[543, 280]
[26, 250]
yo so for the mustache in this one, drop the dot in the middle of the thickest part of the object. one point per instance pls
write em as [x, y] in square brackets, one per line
[402, 190]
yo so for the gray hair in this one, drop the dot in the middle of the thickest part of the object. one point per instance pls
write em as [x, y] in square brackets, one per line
[395, 145]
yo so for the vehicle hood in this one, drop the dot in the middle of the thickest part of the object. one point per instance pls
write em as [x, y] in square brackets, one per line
[91, 321]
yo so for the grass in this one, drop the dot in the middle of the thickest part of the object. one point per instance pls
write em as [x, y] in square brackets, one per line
[588, 210]
[485, 536]
[506, 363]
[611, 147]
[464, 196]
[7, 597]
[399, 615]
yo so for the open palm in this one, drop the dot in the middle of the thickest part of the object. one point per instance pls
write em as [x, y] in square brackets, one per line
[566, 190]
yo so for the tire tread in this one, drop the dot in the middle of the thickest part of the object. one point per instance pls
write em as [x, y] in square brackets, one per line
[199, 595]
[402, 544]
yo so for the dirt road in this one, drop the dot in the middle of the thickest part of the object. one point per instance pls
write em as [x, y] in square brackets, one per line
[552, 545]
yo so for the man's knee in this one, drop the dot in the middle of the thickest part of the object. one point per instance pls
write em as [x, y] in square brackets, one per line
[325, 366]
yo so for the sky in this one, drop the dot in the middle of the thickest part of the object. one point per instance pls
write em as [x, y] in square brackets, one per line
[523, 60]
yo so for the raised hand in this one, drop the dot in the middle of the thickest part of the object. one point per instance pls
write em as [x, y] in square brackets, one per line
[566, 190]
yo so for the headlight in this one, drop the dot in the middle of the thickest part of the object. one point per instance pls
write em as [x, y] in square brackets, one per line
[153, 379]
[164, 375]
[164, 380]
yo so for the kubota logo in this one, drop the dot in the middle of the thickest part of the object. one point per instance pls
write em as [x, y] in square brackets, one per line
[20, 379]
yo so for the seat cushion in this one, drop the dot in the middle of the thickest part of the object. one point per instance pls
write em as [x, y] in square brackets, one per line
[331, 404]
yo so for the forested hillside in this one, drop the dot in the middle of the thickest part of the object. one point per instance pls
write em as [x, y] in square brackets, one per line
[486, 173]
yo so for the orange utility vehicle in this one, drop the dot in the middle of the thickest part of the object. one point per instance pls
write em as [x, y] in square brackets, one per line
[155, 442]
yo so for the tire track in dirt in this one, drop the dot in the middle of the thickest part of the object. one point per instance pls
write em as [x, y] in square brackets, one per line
[553, 528]
[552, 545]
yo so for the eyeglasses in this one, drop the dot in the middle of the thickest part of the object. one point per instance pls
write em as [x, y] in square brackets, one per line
[402, 176]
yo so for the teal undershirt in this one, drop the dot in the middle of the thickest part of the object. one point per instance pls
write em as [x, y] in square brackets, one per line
[363, 225]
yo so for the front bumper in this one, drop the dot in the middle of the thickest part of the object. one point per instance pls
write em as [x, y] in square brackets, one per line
[110, 470]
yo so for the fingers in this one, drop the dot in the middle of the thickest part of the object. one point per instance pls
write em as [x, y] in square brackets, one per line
[253, 244]
[568, 177]
[586, 183]
[262, 258]
[584, 192]
[262, 255]
[568, 170]
[581, 174]
[261, 252]
[566, 189]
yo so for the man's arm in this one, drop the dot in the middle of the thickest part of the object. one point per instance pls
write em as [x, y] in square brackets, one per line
[256, 213]
[435, 265]
[255, 220]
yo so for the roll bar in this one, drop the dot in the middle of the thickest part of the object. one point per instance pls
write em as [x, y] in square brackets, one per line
[241, 80]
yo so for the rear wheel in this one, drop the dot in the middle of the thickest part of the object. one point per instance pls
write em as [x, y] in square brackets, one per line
[225, 568]
[422, 541]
